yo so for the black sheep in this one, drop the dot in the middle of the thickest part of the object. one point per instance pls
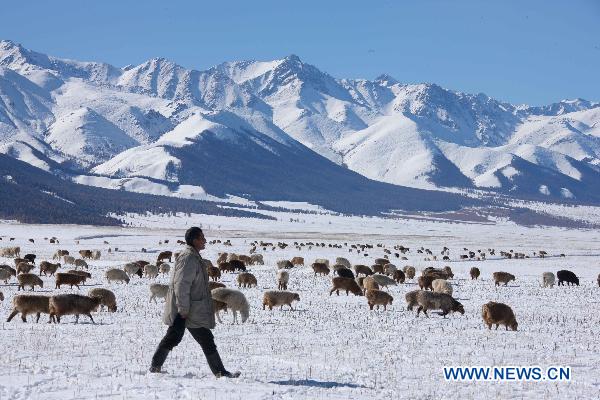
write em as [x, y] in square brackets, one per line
[345, 273]
[30, 258]
[567, 276]
[237, 265]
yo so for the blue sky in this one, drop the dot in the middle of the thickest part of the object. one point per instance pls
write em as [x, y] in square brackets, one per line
[527, 51]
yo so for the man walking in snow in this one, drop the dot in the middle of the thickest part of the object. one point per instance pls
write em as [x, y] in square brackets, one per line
[189, 305]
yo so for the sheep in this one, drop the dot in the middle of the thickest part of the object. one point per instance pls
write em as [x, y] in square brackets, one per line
[73, 304]
[63, 278]
[235, 300]
[237, 265]
[389, 269]
[411, 299]
[347, 284]
[85, 275]
[231, 257]
[1, 296]
[164, 268]
[29, 280]
[425, 282]
[30, 257]
[567, 276]
[257, 259]
[378, 297]
[344, 262]
[548, 279]
[60, 253]
[345, 272]
[399, 276]
[502, 277]
[24, 268]
[246, 279]
[409, 271]
[369, 283]
[133, 268]
[85, 253]
[214, 273]
[218, 306]
[437, 301]
[10, 252]
[96, 255]
[448, 272]
[6, 272]
[158, 290]
[498, 313]
[213, 285]
[474, 272]
[107, 298]
[296, 261]
[320, 269]
[151, 271]
[164, 255]
[381, 261]
[79, 263]
[114, 274]
[383, 280]
[273, 298]
[69, 260]
[284, 264]
[362, 269]
[442, 286]
[377, 268]
[322, 261]
[435, 273]
[283, 277]
[598, 279]
[48, 268]
[28, 304]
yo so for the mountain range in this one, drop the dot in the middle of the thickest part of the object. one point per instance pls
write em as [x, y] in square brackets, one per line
[284, 130]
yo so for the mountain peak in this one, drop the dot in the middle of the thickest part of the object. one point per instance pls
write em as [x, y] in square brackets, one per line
[386, 80]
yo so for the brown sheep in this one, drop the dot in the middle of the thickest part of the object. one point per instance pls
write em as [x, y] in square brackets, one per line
[347, 284]
[296, 261]
[24, 268]
[226, 267]
[275, 298]
[164, 255]
[378, 297]
[80, 263]
[214, 273]
[498, 313]
[246, 279]
[63, 278]
[503, 277]
[370, 284]
[72, 304]
[409, 271]
[219, 306]
[6, 272]
[425, 282]
[83, 274]
[377, 268]
[48, 268]
[363, 269]
[107, 298]
[86, 254]
[28, 304]
[474, 272]
[399, 276]
[381, 261]
[320, 269]
[29, 280]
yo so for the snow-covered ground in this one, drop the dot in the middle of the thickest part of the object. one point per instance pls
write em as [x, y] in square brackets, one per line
[329, 347]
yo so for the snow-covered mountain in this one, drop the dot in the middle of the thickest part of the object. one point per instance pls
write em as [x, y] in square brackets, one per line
[284, 130]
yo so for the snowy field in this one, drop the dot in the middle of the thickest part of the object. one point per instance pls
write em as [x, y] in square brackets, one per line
[329, 347]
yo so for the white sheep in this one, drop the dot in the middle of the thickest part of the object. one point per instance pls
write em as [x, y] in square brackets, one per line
[235, 301]
[442, 286]
[117, 275]
[158, 290]
[164, 268]
[548, 279]
[283, 277]
[151, 271]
